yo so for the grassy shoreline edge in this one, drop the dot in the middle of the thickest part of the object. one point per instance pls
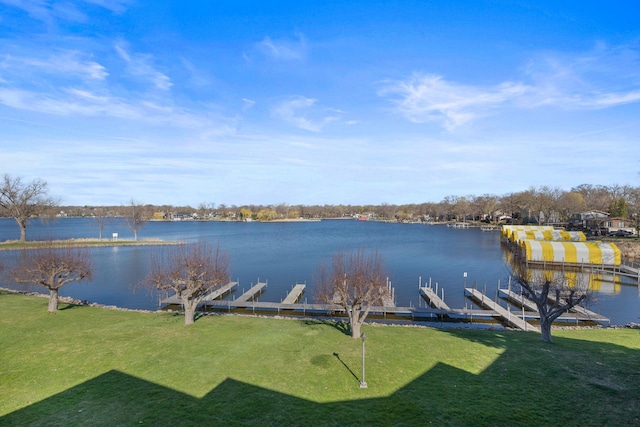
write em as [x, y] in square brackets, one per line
[82, 243]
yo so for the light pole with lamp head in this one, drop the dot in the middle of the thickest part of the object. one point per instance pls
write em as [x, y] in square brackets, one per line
[363, 383]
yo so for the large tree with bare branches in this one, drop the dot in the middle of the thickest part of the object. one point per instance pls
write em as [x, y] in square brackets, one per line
[22, 200]
[191, 271]
[53, 267]
[553, 296]
[356, 282]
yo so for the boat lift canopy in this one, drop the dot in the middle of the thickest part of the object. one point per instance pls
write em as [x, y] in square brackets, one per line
[550, 235]
[596, 253]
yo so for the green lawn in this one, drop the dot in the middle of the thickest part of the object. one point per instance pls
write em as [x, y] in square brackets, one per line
[92, 366]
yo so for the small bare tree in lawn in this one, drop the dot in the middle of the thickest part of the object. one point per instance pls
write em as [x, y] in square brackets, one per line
[191, 271]
[53, 267]
[553, 296]
[356, 282]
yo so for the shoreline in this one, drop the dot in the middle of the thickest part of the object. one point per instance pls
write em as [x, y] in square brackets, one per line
[10, 245]
[372, 322]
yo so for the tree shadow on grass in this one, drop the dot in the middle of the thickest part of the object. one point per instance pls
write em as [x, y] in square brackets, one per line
[339, 325]
[68, 306]
[573, 382]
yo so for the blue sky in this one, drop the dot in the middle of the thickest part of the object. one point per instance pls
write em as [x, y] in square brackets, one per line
[317, 102]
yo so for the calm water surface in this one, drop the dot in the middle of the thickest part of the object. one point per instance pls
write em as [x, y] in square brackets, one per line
[288, 253]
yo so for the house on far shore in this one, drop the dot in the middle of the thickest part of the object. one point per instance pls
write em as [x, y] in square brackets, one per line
[598, 223]
[619, 227]
[582, 221]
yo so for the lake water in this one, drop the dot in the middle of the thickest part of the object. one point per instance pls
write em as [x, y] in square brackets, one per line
[288, 253]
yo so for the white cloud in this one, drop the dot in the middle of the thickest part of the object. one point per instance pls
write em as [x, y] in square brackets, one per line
[296, 110]
[140, 65]
[430, 98]
[247, 104]
[49, 11]
[63, 63]
[72, 102]
[283, 49]
[602, 78]
[116, 6]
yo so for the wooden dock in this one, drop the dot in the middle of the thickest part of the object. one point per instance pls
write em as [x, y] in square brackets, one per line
[581, 313]
[511, 318]
[590, 315]
[175, 300]
[220, 291]
[255, 289]
[432, 298]
[294, 295]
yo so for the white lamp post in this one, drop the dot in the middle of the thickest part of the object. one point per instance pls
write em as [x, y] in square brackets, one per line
[363, 383]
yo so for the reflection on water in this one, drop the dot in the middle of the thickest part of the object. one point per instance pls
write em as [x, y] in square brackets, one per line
[289, 253]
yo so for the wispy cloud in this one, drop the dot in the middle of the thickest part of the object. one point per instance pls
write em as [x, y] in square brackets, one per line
[69, 63]
[283, 49]
[50, 11]
[47, 11]
[430, 98]
[116, 6]
[140, 65]
[302, 113]
[602, 78]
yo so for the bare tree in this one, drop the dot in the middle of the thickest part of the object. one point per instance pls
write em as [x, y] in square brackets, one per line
[101, 218]
[53, 267]
[137, 218]
[553, 296]
[191, 271]
[571, 203]
[24, 200]
[356, 282]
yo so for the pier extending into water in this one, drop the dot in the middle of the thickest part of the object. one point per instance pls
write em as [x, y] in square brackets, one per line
[217, 293]
[431, 296]
[505, 314]
[293, 296]
[251, 293]
[491, 310]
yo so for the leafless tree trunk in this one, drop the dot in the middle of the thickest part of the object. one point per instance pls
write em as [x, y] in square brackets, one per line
[191, 271]
[53, 267]
[553, 297]
[101, 218]
[24, 200]
[137, 219]
[356, 282]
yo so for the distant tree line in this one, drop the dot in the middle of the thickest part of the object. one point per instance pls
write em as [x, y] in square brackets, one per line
[544, 205]
[535, 205]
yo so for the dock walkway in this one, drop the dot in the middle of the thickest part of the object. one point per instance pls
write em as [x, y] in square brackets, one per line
[220, 291]
[295, 293]
[255, 289]
[510, 318]
[581, 313]
[175, 300]
[590, 315]
[433, 299]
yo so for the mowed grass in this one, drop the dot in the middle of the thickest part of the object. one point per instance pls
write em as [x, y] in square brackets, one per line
[93, 366]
